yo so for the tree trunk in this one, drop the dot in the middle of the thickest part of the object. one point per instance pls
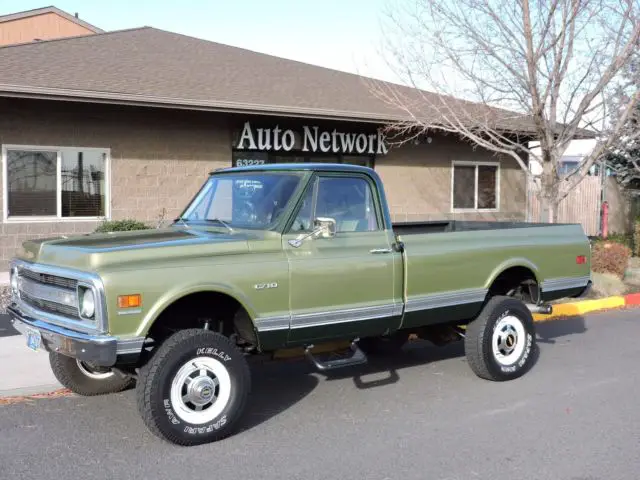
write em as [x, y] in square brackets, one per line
[553, 216]
[549, 194]
[549, 210]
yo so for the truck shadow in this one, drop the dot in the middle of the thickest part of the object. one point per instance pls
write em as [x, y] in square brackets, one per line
[416, 353]
[549, 331]
[279, 385]
[276, 387]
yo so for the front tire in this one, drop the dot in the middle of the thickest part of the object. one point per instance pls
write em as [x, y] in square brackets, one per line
[87, 380]
[500, 344]
[194, 388]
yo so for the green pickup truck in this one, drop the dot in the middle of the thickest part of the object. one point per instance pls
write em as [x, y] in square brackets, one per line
[274, 257]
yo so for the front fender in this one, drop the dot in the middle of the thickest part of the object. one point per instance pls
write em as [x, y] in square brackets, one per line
[175, 294]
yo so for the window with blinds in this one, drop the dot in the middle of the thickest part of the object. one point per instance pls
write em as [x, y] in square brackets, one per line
[475, 186]
[65, 182]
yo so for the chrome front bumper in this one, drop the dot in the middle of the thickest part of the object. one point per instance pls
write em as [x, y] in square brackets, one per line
[100, 350]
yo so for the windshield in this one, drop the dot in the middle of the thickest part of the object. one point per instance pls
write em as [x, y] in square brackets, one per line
[243, 200]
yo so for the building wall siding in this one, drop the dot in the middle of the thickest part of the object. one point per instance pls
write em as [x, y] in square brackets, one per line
[417, 179]
[160, 158]
[46, 26]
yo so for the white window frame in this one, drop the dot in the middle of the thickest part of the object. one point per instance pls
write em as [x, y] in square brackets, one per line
[58, 216]
[476, 164]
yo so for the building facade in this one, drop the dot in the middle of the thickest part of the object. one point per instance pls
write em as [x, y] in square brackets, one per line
[67, 166]
[129, 124]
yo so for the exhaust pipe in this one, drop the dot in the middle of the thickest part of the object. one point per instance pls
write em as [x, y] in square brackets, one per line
[544, 308]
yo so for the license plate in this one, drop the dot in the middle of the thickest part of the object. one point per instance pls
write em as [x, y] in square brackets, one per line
[33, 339]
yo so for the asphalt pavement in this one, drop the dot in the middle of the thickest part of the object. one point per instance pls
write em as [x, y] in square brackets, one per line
[419, 415]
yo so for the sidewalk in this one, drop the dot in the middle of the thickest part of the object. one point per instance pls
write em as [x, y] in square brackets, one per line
[23, 371]
[4, 278]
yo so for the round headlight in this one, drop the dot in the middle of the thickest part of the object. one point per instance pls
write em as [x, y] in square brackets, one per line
[88, 307]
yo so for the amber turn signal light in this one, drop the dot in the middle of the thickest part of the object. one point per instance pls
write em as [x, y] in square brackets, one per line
[129, 301]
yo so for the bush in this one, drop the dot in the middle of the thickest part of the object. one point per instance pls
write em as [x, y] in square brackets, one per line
[121, 226]
[626, 239]
[607, 285]
[610, 257]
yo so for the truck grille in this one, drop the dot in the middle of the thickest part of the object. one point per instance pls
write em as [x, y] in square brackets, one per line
[51, 307]
[50, 279]
[49, 293]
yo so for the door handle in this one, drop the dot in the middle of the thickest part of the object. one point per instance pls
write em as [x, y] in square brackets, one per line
[380, 250]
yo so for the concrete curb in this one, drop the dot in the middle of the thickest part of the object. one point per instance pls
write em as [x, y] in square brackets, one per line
[573, 309]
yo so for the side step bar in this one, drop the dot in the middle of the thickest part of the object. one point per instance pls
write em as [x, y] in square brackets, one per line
[357, 357]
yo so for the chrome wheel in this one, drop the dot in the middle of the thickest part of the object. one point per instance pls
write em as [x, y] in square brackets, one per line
[200, 390]
[508, 341]
[91, 372]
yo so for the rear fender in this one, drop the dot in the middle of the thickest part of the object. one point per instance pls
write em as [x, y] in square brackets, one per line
[511, 263]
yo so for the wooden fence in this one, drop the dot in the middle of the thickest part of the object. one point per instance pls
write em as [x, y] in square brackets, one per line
[582, 205]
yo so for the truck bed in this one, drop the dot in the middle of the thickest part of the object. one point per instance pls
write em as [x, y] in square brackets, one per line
[445, 226]
[448, 275]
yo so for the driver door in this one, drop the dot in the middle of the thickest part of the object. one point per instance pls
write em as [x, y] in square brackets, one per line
[345, 285]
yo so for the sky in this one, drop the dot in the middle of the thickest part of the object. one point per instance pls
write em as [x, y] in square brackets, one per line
[340, 34]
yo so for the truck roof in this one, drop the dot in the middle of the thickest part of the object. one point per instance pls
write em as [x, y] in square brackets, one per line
[324, 167]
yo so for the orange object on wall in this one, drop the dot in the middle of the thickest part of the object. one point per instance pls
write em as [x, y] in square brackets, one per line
[41, 24]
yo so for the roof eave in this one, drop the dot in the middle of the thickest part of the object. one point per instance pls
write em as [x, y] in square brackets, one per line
[117, 98]
[42, 93]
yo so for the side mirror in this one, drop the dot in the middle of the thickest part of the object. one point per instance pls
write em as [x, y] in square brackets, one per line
[324, 228]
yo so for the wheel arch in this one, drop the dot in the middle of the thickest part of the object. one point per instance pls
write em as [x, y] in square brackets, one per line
[176, 296]
[512, 273]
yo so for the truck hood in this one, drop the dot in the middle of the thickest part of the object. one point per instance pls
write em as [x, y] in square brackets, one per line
[168, 245]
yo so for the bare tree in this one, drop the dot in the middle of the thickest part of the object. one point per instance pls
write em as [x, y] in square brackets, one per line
[623, 157]
[517, 77]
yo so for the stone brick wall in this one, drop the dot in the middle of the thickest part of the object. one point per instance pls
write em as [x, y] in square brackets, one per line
[417, 181]
[160, 158]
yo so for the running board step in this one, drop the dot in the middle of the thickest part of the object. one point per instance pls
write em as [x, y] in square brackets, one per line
[357, 357]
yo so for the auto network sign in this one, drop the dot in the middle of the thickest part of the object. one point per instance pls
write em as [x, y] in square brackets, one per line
[312, 139]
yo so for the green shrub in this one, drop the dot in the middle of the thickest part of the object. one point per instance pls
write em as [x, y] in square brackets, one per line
[610, 257]
[121, 226]
[626, 239]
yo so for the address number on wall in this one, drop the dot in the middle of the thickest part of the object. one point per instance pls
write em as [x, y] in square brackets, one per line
[243, 162]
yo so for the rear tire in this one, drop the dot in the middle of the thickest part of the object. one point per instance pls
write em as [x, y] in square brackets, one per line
[86, 380]
[500, 344]
[194, 388]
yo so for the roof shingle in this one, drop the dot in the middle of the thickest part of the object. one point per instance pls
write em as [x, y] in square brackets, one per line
[155, 67]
